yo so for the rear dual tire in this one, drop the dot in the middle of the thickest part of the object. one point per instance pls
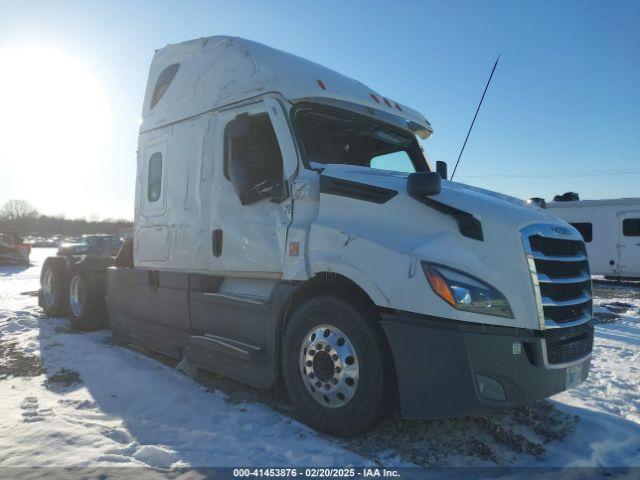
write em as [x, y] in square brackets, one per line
[73, 291]
[336, 367]
[87, 308]
[54, 282]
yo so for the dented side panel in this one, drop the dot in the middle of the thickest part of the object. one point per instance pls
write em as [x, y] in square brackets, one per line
[170, 231]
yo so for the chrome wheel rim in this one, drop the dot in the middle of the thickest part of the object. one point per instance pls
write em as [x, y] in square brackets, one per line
[76, 295]
[48, 288]
[329, 366]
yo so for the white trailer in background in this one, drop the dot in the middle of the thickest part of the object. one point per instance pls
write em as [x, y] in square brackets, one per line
[611, 230]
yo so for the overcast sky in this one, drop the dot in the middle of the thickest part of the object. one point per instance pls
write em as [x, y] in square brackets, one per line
[565, 97]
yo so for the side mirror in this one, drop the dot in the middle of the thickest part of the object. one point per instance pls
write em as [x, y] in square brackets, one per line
[441, 168]
[423, 184]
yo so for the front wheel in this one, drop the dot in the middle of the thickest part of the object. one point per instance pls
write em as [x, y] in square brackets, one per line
[336, 367]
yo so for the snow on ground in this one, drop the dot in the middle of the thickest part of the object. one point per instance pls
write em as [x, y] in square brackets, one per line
[81, 399]
[94, 402]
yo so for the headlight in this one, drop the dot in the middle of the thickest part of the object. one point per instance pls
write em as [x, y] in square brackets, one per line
[465, 292]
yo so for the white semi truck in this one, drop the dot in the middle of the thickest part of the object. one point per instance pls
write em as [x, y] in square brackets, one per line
[274, 242]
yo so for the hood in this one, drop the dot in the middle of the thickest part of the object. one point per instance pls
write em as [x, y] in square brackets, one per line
[479, 202]
[469, 229]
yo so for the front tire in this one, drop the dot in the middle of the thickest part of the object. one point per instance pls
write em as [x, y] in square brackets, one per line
[336, 367]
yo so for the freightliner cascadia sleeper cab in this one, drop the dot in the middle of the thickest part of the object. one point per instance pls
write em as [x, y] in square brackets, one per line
[289, 227]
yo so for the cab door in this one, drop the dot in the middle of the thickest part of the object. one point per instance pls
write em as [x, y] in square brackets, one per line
[629, 243]
[251, 190]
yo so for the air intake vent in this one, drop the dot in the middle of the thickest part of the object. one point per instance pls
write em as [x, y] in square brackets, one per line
[359, 191]
[565, 345]
[556, 247]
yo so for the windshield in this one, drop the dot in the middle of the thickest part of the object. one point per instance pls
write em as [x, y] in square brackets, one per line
[336, 137]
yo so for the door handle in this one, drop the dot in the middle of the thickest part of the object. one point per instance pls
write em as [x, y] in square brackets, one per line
[216, 242]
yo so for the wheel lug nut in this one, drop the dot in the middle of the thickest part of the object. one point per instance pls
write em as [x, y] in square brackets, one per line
[311, 375]
[334, 357]
[334, 381]
[318, 384]
[327, 386]
[312, 352]
[327, 348]
[338, 370]
[309, 363]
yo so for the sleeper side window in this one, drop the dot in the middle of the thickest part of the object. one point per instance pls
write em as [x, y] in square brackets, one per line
[631, 227]
[154, 179]
[253, 160]
[585, 229]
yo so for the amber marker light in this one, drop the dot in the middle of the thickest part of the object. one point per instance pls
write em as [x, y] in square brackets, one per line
[439, 285]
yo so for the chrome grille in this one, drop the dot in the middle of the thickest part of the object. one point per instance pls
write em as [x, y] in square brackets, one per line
[560, 271]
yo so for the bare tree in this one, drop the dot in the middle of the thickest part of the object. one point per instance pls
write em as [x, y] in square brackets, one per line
[21, 216]
[15, 210]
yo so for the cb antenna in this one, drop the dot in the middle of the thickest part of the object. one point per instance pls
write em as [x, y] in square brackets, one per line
[475, 116]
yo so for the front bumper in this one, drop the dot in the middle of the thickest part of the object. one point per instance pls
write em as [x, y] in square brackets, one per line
[447, 368]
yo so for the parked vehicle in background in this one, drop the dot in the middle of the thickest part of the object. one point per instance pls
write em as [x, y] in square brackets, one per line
[288, 225]
[44, 242]
[92, 245]
[13, 250]
[611, 231]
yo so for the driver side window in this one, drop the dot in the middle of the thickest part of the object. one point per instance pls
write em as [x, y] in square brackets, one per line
[253, 155]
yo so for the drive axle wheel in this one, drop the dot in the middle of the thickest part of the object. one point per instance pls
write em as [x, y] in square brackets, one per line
[336, 366]
[87, 309]
[54, 283]
[48, 288]
[76, 295]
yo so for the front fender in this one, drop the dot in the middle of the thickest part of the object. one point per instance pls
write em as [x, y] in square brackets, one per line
[373, 267]
[321, 262]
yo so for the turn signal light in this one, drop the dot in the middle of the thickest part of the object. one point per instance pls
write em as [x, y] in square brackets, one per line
[465, 292]
[439, 285]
